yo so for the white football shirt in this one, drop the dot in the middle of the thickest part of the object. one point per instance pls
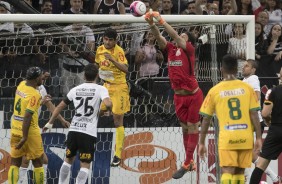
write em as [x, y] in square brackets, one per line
[87, 98]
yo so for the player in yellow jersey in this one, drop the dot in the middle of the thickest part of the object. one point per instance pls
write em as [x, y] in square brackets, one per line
[236, 106]
[25, 133]
[113, 68]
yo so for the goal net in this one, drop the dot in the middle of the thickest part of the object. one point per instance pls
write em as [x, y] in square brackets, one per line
[153, 148]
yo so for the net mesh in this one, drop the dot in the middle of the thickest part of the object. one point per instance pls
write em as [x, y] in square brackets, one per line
[151, 97]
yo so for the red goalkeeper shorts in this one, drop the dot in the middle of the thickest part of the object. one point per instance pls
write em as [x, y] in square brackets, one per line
[187, 106]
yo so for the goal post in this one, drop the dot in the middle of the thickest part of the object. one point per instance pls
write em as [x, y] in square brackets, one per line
[153, 147]
[249, 20]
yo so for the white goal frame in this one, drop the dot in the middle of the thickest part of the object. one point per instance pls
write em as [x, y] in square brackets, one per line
[67, 18]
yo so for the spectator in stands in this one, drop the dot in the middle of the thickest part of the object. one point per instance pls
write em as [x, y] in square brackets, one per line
[148, 58]
[47, 7]
[275, 14]
[5, 8]
[79, 42]
[237, 45]
[275, 45]
[109, 7]
[201, 7]
[167, 7]
[263, 19]
[247, 7]
[260, 42]
[229, 8]
[190, 10]
[155, 4]
[76, 8]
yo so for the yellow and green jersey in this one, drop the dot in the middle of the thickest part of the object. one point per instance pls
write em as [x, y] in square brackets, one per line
[27, 99]
[108, 71]
[232, 101]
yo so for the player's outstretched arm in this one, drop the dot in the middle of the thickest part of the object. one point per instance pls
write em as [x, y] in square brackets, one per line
[172, 33]
[51, 107]
[155, 30]
[202, 152]
[55, 113]
[108, 103]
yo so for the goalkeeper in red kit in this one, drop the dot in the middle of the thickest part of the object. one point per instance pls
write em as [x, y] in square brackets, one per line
[188, 97]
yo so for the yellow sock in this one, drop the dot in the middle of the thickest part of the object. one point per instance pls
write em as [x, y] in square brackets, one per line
[13, 175]
[119, 140]
[226, 178]
[238, 179]
[38, 175]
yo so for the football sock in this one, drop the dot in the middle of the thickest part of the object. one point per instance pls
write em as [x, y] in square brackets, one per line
[82, 176]
[256, 176]
[191, 145]
[22, 174]
[238, 179]
[226, 178]
[64, 172]
[13, 175]
[269, 172]
[38, 175]
[45, 166]
[185, 142]
[119, 140]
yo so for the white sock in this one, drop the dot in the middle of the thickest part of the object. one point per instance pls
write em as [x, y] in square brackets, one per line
[45, 173]
[64, 172]
[268, 171]
[22, 174]
[82, 176]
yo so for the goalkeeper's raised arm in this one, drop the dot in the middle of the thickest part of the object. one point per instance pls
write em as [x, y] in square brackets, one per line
[179, 39]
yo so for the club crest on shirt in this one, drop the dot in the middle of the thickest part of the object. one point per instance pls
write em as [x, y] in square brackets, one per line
[178, 53]
[32, 101]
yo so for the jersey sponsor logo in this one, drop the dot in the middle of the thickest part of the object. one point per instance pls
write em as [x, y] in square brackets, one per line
[237, 141]
[18, 118]
[175, 63]
[236, 127]
[85, 89]
[84, 119]
[85, 156]
[234, 92]
[105, 63]
[121, 56]
[32, 101]
[80, 125]
[21, 94]
[84, 94]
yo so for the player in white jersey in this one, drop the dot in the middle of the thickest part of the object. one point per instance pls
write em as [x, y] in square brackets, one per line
[248, 72]
[46, 100]
[87, 98]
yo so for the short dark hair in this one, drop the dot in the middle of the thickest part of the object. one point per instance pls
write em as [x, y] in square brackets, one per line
[191, 37]
[229, 64]
[254, 63]
[33, 72]
[110, 33]
[90, 72]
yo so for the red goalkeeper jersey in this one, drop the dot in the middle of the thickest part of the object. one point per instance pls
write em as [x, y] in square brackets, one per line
[181, 66]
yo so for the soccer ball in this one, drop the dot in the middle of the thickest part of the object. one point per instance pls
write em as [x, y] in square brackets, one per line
[262, 182]
[137, 8]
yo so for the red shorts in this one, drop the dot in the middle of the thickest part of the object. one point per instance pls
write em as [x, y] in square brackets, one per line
[187, 106]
